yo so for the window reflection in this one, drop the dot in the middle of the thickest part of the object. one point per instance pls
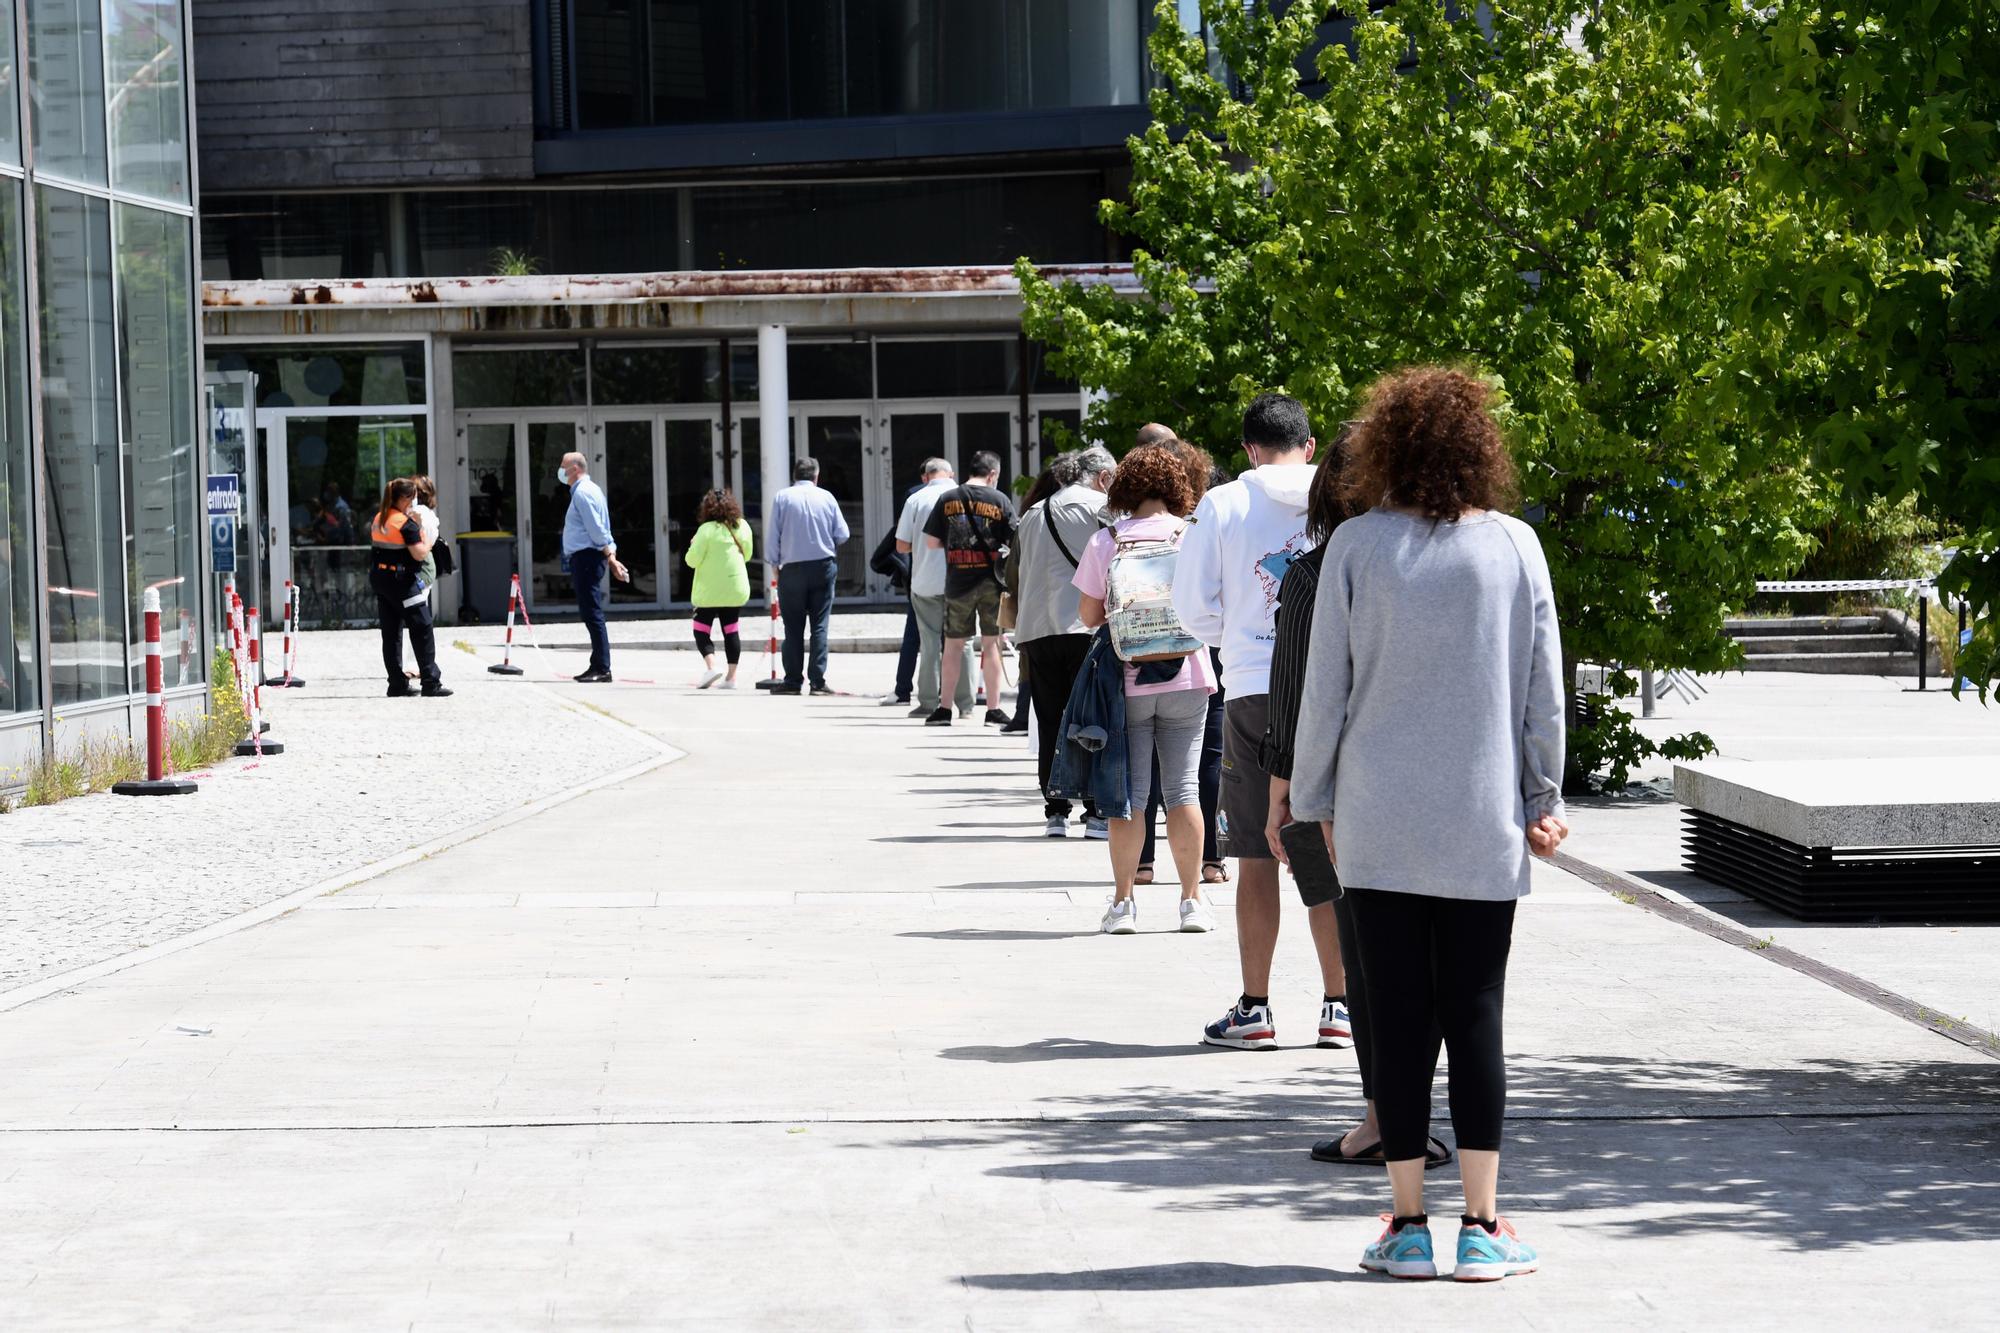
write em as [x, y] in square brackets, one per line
[66, 68]
[19, 669]
[80, 424]
[147, 107]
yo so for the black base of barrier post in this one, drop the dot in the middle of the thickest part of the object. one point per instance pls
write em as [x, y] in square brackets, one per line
[503, 670]
[769, 684]
[248, 749]
[163, 787]
[293, 684]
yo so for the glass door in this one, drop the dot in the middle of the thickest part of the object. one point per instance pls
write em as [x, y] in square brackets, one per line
[692, 448]
[626, 468]
[989, 430]
[544, 441]
[325, 473]
[836, 439]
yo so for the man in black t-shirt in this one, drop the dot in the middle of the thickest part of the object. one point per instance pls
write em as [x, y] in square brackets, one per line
[972, 524]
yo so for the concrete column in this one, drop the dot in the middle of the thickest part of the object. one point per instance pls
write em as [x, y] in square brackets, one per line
[774, 414]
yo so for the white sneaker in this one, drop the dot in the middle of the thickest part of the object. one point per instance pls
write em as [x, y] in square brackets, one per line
[1057, 827]
[1122, 918]
[727, 685]
[891, 701]
[709, 678]
[1196, 918]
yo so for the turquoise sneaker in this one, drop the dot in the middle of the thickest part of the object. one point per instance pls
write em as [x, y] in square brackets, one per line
[1484, 1258]
[1402, 1253]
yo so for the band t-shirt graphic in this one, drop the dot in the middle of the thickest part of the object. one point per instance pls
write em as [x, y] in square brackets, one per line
[975, 523]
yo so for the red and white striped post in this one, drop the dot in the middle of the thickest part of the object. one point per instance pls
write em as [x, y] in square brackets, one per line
[771, 644]
[507, 667]
[256, 744]
[156, 782]
[288, 655]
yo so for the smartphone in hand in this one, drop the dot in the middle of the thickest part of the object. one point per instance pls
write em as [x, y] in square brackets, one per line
[1305, 845]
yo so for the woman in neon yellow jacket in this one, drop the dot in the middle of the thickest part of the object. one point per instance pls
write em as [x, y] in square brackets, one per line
[718, 555]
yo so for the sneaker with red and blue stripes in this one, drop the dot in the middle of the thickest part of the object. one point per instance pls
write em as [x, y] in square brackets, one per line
[1244, 1029]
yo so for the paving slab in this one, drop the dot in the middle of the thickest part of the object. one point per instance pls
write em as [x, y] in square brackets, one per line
[856, 1070]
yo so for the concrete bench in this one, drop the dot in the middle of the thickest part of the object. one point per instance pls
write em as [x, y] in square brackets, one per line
[1848, 839]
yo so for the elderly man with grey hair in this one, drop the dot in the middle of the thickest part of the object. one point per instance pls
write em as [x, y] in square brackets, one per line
[927, 570]
[1049, 633]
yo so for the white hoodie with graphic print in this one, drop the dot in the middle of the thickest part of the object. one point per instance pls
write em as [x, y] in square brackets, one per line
[1244, 537]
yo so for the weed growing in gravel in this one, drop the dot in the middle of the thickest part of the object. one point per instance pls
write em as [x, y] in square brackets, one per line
[94, 765]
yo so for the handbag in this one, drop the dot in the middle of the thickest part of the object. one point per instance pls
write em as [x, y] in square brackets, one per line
[447, 563]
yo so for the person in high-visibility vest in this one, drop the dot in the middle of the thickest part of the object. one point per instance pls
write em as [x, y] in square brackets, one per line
[402, 595]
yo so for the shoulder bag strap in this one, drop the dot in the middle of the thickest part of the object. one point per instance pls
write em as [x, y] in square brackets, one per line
[1055, 531]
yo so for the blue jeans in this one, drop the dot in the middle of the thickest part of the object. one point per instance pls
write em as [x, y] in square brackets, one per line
[906, 664]
[805, 592]
[590, 575]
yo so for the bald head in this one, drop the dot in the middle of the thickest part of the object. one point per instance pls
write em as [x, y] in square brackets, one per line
[1153, 433]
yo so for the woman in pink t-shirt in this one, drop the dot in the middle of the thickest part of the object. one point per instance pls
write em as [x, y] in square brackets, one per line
[1154, 486]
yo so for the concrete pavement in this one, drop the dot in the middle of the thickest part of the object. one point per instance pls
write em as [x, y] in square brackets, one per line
[810, 1029]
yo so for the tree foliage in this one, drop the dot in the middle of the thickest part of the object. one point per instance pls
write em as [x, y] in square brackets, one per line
[1546, 196]
[1875, 127]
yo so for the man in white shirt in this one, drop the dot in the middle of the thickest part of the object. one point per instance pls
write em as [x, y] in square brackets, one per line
[927, 571]
[1243, 539]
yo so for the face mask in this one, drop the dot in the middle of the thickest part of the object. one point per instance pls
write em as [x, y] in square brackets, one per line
[562, 474]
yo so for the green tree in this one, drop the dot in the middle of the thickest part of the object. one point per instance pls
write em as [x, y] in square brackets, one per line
[1875, 125]
[1544, 196]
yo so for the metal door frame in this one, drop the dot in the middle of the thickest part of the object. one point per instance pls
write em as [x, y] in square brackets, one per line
[600, 462]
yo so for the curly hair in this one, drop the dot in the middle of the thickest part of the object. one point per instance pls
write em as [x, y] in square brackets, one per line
[1156, 472]
[720, 507]
[1427, 441]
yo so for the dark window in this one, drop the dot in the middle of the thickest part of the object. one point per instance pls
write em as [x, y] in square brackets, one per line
[295, 236]
[530, 377]
[626, 376]
[689, 62]
[824, 371]
[963, 369]
[330, 374]
[900, 224]
[831, 224]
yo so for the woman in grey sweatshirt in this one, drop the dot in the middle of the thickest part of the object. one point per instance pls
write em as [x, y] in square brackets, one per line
[1430, 746]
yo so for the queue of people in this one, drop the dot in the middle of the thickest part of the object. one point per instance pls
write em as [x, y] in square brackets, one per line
[1311, 607]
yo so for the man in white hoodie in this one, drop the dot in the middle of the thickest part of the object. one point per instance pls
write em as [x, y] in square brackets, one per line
[1235, 554]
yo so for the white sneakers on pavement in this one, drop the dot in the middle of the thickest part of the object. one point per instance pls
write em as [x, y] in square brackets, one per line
[1122, 918]
[709, 678]
[1196, 916]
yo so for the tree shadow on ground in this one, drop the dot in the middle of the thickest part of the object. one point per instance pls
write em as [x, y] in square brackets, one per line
[1822, 1154]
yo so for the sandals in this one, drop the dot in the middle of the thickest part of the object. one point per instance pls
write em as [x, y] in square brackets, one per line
[1328, 1150]
[1145, 875]
[1214, 872]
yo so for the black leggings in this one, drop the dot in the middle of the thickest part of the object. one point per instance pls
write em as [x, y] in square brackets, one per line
[396, 618]
[726, 617]
[1434, 967]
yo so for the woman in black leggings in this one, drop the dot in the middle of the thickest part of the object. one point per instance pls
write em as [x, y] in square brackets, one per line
[1430, 747]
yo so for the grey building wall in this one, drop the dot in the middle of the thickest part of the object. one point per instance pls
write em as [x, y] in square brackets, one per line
[299, 94]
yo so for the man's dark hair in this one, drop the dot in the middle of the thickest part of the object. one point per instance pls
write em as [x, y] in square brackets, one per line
[985, 463]
[806, 469]
[1276, 421]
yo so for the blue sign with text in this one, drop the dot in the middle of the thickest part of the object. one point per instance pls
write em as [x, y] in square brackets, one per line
[225, 504]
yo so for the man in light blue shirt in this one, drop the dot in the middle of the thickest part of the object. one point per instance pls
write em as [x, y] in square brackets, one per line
[588, 551]
[806, 528]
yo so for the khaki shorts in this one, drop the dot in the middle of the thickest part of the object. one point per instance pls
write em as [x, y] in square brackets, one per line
[977, 610]
[1246, 786]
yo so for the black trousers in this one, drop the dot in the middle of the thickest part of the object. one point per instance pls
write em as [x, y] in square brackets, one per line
[416, 619]
[1051, 664]
[709, 619]
[1433, 967]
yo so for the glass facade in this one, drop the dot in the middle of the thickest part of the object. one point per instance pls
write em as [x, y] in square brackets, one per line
[997, 218]
[331, 374]
[696, 62]
[103, 400]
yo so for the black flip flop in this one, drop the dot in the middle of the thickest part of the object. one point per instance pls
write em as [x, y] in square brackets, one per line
[1328, 1150]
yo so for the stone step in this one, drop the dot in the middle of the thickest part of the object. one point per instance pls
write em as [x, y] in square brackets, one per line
[1835, 664]
[1763, 644]
[1745, 627]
